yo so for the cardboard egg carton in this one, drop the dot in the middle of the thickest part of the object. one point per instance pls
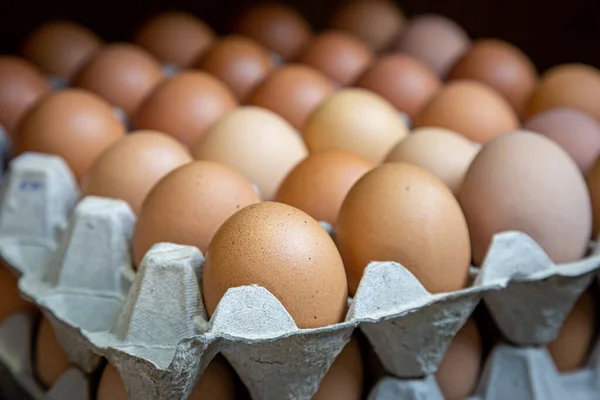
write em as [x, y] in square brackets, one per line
[153, 327]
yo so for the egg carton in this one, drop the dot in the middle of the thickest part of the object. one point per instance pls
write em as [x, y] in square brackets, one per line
[152, 324]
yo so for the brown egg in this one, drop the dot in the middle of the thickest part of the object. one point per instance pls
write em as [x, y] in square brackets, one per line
[400, 212]
[470, 108]
[185, 106]
[593, 182]
[525, 182]
[21, 86]
[355, 120]
[320, 183]
[571, 348]
[123, 74]
[51, 361]
[11, 301]
[378, 23]
[294, 92]
[287, 252]
[344, 380]
[60, 47]
[501, 65]
[575, 131]
[188, 205]
[444, 153]
[175, 37]
[257, 143]
[278, 27]
[569, 85]
[435, 40]
[74, 124]
[402, 80]
[339, 55]
[458, 373]
[238, 61]
[131, 167]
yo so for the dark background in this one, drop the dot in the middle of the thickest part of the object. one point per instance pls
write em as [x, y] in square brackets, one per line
[551, 32]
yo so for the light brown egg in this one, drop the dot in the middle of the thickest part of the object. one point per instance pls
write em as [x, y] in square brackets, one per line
[188, 205]
[355, 120]
[402, 80]
[123, 74]
[344, 380]
[257, 143]
[502, 66]
[569, 85]
[175, 37]
[444, 153]
[11, 301]
[278, 27]
[525, 182]
[436, 40]
[282, 249]
[131, 167]
[60, 47]
[185, 106]
[240, 62]
[320, 183]
[21, 86]
[50, 360]
[294, 92]
[470, 108]
[378, 23]
[74, 124]
[458, 373]
[593, 182]
[575, 131]
[400, 212]
[339, 55]
[571, 348]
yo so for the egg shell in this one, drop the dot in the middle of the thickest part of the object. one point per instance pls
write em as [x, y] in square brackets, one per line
[188, 205]
[355, 120]
[11, 301]
[400, 212]
[525, 182]
[345, 378]
[287, 252]
[51, 361]
[185, 106]
[470, 108]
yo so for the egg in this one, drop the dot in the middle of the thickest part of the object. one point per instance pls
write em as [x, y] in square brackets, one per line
[11, 301]
[444, 153]
[523, 181]
[458, 373]
[278, 27]
[21, 86]
[175, 37]
[575, 131]
[569, 85]
[60, 47]
[123, 74]
[293, 91]
[188, 205]
[74, 124]
[50, 360]
[402, 80]
[435, 40]
[339, 55]
[378, 23]
[345, 378]
[470, 108]
[319, 184]
[240, 62]
[185, 106]
[255, 142]
[593, 182]
[502, 66]
[285, 251]
[355, 120]
[132, 165]
[573, 345]
[400, 212]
